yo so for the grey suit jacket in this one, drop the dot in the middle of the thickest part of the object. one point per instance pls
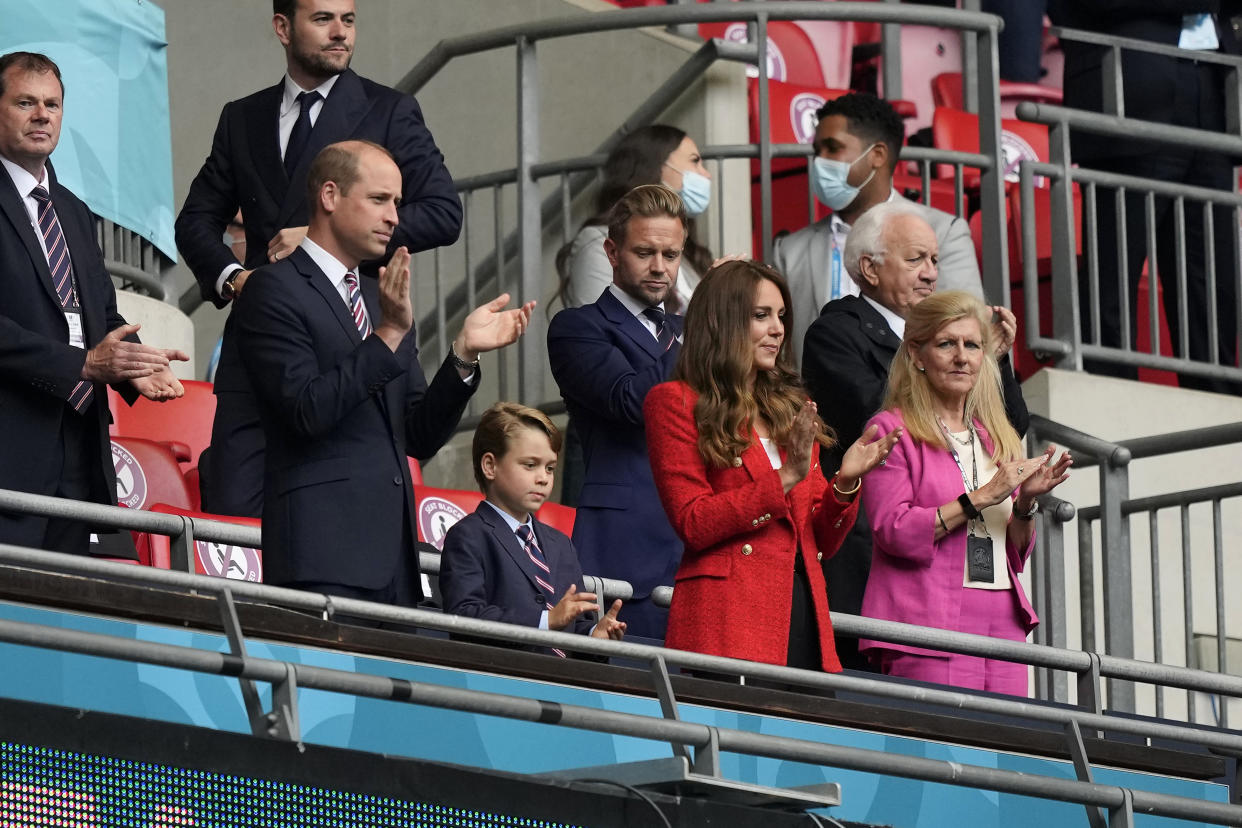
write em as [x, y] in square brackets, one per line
[803, 257]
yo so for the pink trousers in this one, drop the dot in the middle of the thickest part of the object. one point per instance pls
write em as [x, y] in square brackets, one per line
[984, 612]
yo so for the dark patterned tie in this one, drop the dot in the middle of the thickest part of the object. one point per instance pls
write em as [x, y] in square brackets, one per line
[355, 304]
[300, 135]
[61, 265]
[664, 331]
[531, 547]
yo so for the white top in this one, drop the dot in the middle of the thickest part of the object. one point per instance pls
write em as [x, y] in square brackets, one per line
[995, 517]
[590, 272]
[774, 454]
[1198, 32]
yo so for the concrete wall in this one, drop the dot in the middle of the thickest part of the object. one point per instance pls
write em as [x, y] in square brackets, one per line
[225, 49]
[1116, 410]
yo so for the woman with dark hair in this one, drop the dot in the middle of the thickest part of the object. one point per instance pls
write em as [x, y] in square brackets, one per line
[951, 511]
[654, 154]
[734, 445]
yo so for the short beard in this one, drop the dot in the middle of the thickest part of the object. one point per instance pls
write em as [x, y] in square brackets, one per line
[319, 65]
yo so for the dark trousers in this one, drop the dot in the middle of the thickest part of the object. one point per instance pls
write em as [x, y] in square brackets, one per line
[231, 477]
[1200, 168]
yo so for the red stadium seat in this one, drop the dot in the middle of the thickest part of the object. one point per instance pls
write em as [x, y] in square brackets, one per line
[147, 472]
[925, 52]
[954, 129]
[947, 91]
[186, 420]
[792, 54]
[241, 563]
[436, 510]
[558, 516]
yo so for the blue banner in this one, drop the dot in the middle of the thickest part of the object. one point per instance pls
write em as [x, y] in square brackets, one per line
[115, 148]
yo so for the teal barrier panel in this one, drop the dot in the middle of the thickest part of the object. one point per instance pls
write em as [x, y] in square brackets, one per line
[115, 149]
[503, 744]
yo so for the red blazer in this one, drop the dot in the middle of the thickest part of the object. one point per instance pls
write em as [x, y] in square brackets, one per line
[741, 532]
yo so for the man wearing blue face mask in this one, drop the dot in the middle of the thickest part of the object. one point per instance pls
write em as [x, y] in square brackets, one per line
[857, 142]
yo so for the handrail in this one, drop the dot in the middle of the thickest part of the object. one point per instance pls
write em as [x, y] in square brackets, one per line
[1097, 450]
[663, 16]
[1224, 740]
[129, 273]
[1167, 501]
[1115, 126]
[701, 737]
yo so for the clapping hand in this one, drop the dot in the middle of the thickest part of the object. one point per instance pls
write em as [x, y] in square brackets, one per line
[865, 454]
[1047, 476]
[1004, 330]
[609, 626]
[490, 327]
[801, 440]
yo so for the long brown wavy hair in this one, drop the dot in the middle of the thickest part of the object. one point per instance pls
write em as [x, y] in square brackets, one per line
[717, 357]
[909, 390]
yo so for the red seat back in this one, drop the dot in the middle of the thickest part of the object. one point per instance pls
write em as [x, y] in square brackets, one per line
[792, 55]
[240, 563]
[147, 472]
[558, 516]
[186, 420]
[436, 510]
[947, 91]
[954, 129]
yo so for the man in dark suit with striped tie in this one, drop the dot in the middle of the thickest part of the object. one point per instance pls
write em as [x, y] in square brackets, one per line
[605, 357]
[61, 338]
[333, 361]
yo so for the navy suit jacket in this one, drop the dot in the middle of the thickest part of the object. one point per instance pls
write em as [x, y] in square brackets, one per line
[1150, 81]
[605, 361]
[485, 573]
[340, 414]
[38, 367]
[245, 170]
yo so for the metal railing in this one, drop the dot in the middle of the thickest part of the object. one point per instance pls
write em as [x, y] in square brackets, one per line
[1114, 517]
[131, 259]
[1076, 305]
[282, 720]
[524, 247]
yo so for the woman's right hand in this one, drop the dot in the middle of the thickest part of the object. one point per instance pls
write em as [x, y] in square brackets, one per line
[801, 440]
[1009, 476]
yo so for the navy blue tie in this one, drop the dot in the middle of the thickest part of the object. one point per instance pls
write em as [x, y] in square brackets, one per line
[300, 136]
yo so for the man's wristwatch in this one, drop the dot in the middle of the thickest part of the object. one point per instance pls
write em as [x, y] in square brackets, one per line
[229, 289]
[460, 363]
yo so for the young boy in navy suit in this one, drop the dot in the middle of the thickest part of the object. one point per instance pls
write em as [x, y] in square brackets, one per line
[500, 564]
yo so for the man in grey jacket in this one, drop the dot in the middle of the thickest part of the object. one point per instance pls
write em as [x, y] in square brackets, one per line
[857, 142]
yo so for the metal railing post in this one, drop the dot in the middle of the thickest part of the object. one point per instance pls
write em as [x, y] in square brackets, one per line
[1066, 321]
[1115, 563]
[530, 223]
[765, 142]
[890, 57]
[992, 185]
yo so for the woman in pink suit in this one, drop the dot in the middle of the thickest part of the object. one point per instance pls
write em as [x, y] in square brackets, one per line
[952, 508]
[734, 446]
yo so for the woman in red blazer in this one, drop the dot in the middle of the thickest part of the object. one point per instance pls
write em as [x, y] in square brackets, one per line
[951, 510]
[734, 446]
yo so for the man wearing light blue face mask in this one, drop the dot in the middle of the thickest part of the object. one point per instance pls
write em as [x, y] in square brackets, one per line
[857, 142]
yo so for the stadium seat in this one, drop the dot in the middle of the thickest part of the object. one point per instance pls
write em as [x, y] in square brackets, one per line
[947, 91]
[558, 516]
[953, 129]
[436, 510]
[147, 472]
[186, 420]
[926, 51]
[241, 563]
[792, 53]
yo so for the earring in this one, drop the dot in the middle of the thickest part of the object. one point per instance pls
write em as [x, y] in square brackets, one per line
[922, 370]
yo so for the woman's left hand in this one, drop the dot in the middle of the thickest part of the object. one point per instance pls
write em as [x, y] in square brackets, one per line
[1047, 477]
[1004, 330]
[864, 455]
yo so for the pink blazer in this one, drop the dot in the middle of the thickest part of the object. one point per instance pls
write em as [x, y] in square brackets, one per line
[914, 578]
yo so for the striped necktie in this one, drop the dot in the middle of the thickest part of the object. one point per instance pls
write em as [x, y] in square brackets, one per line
[542, 572]
[61, 265]
[354, 295]
[664, 331]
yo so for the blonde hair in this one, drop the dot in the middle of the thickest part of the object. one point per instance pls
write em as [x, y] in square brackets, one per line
[911, 393]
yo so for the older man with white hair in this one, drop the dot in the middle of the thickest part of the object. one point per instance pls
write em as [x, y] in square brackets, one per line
[892, 254]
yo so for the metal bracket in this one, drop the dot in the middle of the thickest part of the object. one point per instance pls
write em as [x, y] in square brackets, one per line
[668, 701]
[1123, 815]
[707, 757]
[180, 548]
[282, 721]
[1089, 689]
[1082, 767]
